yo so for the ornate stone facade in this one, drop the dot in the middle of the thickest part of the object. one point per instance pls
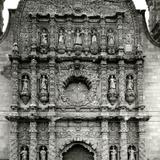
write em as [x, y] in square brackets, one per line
[77, 74]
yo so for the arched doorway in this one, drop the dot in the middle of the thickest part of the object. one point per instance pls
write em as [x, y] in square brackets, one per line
[78, 152]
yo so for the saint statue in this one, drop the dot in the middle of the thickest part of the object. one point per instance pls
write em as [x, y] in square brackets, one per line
[25, 84]
[78, 37]
[112, 82]
[94, 37]
[44, 38]
[130, 83]
[113, 154]
[24, 154]
[132, 154]
[61, 40]
[43, 154]
[44, 82]
[111, 38]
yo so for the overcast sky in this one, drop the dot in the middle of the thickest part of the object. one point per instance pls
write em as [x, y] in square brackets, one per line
[140, 4]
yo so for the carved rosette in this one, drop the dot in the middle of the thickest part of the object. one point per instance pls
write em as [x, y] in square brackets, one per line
[33, 141]
[123, 140]
[13, 141]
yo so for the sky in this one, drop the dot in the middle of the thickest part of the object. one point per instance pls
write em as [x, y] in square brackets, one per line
[140, 4]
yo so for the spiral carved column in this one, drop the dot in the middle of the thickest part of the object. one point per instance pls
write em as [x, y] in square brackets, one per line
[33, 141]
[123, 141]
[52, 139]
[13, 153]
[142, 149]
[105, 141]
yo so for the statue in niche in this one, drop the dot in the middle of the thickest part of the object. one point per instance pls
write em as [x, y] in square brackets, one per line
[130, 83]
[24, 154]
[111, 41]
[44, 37]
[25, 84]
[43, 154]
[61, 41]
[25, 93]
[44, 89]
[112, 93]
[113, 153]
[44, 82]
[112, 82]
[78, 37]
[130, 94]
[111, 38]
[132, 153]
[94, 42]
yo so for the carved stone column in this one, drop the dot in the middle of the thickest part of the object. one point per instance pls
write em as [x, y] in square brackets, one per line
[52, 83]
[140, 82]
[13, 141]
[33, 141]
[123, 141]
[15, 91]
[104, 84]
[120, 29]
[52, 139]
[122, 83]
[105, 141]
[142, 148]
[33, 84]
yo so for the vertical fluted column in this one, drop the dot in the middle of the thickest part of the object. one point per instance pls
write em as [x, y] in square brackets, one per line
[105, 141]
[140, 82]
[33, 141]
[33, 84]
[122, 82]
[123, 141]
[142, 148]
[13, 142]
[52, 141]
[104, 83]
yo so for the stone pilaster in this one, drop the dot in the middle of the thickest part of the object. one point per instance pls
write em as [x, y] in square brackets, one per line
[104, 84]
[33, 84]
[13, 141]
[52, 141]
[142, 148]
[123, 141]
[105, 141]
[15, 91]
[52, 83]
[33, 141]
[120, 29]
[140, 82]
[122, 83]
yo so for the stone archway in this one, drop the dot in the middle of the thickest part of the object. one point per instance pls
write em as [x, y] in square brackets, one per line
[78, 152]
